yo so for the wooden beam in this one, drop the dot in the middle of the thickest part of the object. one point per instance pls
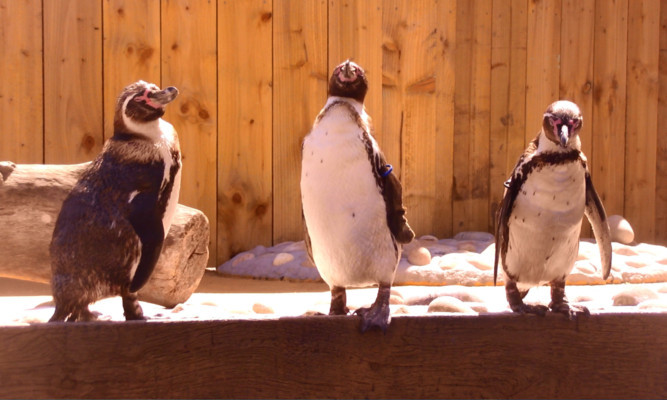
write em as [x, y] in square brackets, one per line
[490, 356]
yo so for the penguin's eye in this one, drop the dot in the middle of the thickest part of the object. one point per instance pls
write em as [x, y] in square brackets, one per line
[576, 123]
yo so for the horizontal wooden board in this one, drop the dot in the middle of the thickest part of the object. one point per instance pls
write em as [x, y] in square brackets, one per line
[490, 356]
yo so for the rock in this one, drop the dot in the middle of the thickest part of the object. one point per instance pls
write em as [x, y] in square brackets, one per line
[449, 304]
[479, 307]
[650, 274]
[634, 296]
[475, 236]
[419, 256]
[242, 257]
[30, 199]
[396, 300]
[481, 263]
[620, 228]
[468, 246]
[282, 258]
[259, 308]
[428, 239]
[623, 250]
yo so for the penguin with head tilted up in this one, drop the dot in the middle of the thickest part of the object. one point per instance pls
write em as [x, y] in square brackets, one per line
[110, 230]
[539, 219]
[352, 201]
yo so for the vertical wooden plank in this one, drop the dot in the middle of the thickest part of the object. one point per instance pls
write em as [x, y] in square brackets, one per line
[609, 97]
[245, 206]
[189, 63]
[355, 32]
[445, 88]
[661, 178]
[471, 135]
[300, 85]
[543, 61]
[642, 116]
[131, 49]
[21, 107]
[508, 94]
[576, 72]
[73, 115]
[412, 47]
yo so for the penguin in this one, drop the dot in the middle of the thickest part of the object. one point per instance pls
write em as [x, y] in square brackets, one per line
[355, 221]
[111, 227]
[539, 219]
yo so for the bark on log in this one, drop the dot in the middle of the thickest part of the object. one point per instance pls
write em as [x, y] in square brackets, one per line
[30, 200]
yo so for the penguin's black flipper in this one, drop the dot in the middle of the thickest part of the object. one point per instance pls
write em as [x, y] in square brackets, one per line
[502, 224]
[594, 211]
[147, 223]
[392, 191]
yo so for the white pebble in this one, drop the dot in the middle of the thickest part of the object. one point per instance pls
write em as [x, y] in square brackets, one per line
[419, 256]
[634, 296]
[260, 308]
[241, 258]
[282, 258]
[449, 304]
[621, 231]
[476, 236]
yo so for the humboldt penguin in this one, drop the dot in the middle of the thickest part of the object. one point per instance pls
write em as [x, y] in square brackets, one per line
[352, 200]
[539, 219]
[110, 230]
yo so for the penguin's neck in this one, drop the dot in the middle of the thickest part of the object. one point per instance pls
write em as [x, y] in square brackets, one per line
[356, 106]
[547, 146]
[156, 131]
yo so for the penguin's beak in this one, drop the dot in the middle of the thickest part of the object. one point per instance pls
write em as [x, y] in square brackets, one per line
[564, 135]
[165, 96]
[348, 72]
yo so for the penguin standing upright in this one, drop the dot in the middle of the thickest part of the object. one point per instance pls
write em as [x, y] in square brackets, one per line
[110, 230]
[539, 220]
[352, 202]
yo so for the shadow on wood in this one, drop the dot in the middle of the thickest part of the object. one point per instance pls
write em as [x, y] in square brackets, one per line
[490, 356]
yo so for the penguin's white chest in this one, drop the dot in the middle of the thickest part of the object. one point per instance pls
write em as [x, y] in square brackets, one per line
[343, 207]
[167, 143]
[545, 224]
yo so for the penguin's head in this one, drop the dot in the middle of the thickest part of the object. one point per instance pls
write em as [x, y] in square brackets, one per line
[141, 103]
[348, 80]
[562, 122]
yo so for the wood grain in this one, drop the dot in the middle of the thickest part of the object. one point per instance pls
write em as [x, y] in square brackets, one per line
[642, 117]
[543, 61]
[661, 169]
[576, 70]
[508, 94]
[300, 90]
[603, 356]
[245, 202]
[189, 57]
[21, 91]
[355, 32]
[73, 116]
[445, 89]
[609, 95]
[471, 125]
[415, 43]
[131, 49]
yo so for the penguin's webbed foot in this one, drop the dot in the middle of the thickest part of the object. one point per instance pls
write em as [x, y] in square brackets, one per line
[524, 308]
[571, 311]
[375, 316]
[83, 315]
[515, 300]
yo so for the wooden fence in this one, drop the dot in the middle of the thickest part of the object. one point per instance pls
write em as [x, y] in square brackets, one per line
[457, 89]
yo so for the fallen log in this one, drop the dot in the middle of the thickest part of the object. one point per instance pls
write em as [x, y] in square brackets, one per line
[30, 199]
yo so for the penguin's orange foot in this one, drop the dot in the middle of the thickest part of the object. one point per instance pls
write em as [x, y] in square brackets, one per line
[376, 316]
[571, 311]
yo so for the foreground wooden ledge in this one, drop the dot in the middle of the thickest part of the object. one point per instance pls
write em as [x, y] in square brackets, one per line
[490, 356]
